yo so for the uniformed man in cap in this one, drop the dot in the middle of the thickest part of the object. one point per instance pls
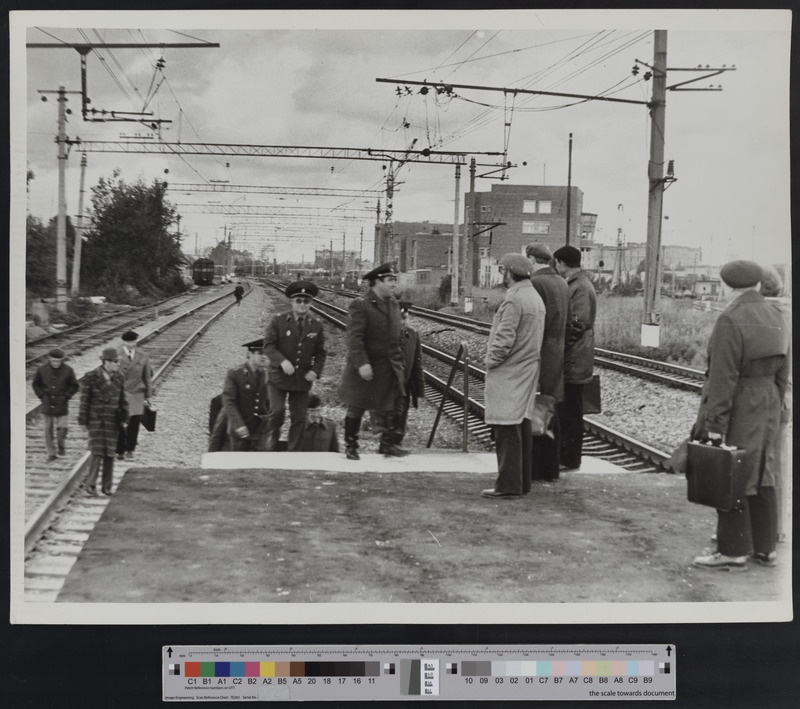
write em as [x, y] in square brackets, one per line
[749, 373]
[103, 410]
[414, 379]
[244, 401]
[295, 346]
[374, 372]
[55, 384]
[134, 366]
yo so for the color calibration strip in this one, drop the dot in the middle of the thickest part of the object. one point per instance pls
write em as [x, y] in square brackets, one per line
[531, 673]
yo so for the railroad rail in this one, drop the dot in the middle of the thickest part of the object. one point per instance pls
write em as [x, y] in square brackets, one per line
[599, 440]
[49, 487]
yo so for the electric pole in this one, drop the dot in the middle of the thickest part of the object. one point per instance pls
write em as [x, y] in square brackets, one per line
[76, 256]
[469, 237]
[655, 201]
[454, 294]
[569, 188]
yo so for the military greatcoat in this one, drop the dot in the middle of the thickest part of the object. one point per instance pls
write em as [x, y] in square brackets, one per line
[306, 353]
[103, 409]
[244, 398]
[373, 337]
[749, 370]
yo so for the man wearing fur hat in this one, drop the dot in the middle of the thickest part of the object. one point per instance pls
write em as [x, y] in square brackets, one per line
[103, 410]
[512, 376]
[55, 384]
[578, 353]
[295, 346]
[749, 370]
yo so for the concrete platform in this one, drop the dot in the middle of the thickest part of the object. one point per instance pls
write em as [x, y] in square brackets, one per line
[429, 461]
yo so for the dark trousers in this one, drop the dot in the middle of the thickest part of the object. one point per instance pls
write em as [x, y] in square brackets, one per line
[513, 449]
[298, 406]
[128, 435]
[570, 414]
[545, 452]
[255, 441]
[752, 527]
[94, 468]
[404, 405]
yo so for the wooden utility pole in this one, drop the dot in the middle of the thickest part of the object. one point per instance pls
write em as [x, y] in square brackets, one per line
[76, 255]
[469, 237]
[454, 289]
[655, 201]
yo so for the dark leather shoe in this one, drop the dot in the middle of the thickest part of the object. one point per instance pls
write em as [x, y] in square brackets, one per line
[91, 490]
[120, 456]
[107, 491]
[352, 454]
[491, 492]
[393, 451]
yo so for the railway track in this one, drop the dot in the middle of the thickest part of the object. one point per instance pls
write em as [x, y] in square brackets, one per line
[50, 487]
[671, 375]
[600, 441]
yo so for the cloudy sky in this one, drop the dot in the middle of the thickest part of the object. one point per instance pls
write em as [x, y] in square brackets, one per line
[310, 80]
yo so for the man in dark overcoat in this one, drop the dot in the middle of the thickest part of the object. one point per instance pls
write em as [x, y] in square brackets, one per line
[103, 410]
[554, 292]
[55, 384]
[414, 379]
[295, 346]
[578, 353]
[238, 293]
[134, 366]
[374, 372]
[749, 370]
[244, 401]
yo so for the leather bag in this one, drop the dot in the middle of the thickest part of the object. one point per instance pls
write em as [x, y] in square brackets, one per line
[715, 475]
[149, 419]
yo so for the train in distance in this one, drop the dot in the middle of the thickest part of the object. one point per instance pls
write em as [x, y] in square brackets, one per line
[203, 272]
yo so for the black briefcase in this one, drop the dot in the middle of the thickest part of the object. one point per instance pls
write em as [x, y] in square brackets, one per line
[149, 419]
[591, 396]
[716, 476]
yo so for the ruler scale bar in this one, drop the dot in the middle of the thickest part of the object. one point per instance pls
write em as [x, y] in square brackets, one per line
[401, 672]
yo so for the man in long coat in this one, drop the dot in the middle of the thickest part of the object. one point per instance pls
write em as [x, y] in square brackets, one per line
[749, 370]
[134, 366]
[245, 402]
[55, 384]
[414, 377]
[103, 410]
[295, 346]
[554, 292]
[512, 376]
[374, 373]
[578, 353]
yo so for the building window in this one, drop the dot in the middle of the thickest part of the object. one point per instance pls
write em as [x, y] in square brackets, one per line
[545, 207]
[529, 206]
[535, 227]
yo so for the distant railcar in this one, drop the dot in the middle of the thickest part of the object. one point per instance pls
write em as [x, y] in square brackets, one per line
[203, 272]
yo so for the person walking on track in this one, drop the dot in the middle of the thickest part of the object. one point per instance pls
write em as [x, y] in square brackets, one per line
[512, 376]
[295, 346]
[55, 384]
[103, 410]
[238, 293]
[374, 371]
[749, 371]
[134, 366]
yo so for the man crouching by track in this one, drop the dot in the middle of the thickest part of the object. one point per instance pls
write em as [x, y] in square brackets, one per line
[512, 376]
[244, 401]
[374, 371]
[295, 345]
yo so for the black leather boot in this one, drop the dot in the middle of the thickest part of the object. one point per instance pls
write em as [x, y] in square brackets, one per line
[351, 427]
[391, 436]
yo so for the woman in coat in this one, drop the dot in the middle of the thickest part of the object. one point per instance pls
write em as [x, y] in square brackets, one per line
[512, 376]
[103, 410]
[749, 370]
